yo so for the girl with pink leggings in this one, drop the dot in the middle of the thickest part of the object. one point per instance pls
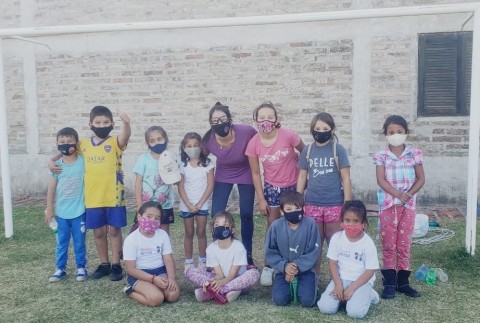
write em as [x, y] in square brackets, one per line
[228, 258]
[400, 176]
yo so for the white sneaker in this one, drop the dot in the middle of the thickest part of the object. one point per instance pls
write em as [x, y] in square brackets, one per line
[202, 296]
[374, 297]
[187, 267]
[266, 279]
[233, 295]
[58, 275]
[81, 274]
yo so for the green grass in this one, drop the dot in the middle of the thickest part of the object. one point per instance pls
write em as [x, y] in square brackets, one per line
[27, 260]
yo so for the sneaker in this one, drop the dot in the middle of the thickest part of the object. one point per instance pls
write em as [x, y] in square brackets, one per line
[117, 273]
[266, 279]
[57, 275]
[187, 267]
[374, 298]
[128, 290]
[102, 270]
[202, 296]
[81, 274]
[202, 265]
[233, 295]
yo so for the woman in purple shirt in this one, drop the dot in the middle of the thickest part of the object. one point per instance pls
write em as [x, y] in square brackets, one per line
[228, 142]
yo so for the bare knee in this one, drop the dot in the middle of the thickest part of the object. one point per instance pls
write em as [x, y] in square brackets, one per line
[172, 297]
[155, 299]
[100, 233]
[114, 232]
[189, 233]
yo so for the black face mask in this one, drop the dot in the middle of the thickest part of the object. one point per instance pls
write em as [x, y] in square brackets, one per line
[67, 149]
[221, 233]
[158, 148]
[222, 129]
[322, 137]
[102, 133]
[293, 217]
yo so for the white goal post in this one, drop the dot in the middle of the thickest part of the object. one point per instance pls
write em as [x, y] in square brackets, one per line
[473, 8]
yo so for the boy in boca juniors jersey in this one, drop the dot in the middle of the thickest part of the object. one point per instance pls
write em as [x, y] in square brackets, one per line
[106, 213]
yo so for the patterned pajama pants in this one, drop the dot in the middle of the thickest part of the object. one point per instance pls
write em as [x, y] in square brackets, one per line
[243, 282]
[396, 228]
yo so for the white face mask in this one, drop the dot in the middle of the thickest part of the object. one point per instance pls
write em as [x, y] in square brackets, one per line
[397, 139]
[193, 152]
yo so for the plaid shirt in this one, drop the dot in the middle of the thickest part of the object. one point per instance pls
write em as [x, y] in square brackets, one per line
[400, 173]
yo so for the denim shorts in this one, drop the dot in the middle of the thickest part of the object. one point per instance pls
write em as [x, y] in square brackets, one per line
[188, 215]
[272, 193]
[98, 217]
[132, 281]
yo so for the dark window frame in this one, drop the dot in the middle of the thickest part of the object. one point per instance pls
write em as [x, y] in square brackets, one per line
[444, 84]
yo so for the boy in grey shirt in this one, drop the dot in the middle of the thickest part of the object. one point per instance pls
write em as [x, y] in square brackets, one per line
[292, 246]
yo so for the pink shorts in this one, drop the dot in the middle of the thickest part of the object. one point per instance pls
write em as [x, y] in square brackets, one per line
[323, 214]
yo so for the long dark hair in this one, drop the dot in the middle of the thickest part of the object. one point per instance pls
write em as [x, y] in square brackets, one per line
[204, 161]
[217, 107]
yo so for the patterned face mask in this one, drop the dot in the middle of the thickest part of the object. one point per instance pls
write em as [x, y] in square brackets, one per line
[352, 230]
[148, 225]
[265, 126]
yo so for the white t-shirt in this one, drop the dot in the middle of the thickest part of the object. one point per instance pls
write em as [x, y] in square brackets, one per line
[147, 252]
[195, 183]
[235, 255]
[353, 257]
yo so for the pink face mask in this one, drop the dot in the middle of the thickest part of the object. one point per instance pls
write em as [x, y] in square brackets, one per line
[352, 230]
[265, 126]
[148, 225]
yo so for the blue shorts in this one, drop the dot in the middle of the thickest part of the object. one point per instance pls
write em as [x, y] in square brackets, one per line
[188, 215]
[272, 193]
[132, 281]
[97, 217]
[167, 216]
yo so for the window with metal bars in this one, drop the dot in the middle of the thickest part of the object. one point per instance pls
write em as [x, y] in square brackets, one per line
[444, 73]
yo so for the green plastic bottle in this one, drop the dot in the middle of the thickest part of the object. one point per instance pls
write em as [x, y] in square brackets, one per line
[294, 291]
[431, 278]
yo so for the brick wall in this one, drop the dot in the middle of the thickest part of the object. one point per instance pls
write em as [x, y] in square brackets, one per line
[10, 13]
[61, 12]
[405, 3]
[302, 68]
[15, 104]
[175, 88]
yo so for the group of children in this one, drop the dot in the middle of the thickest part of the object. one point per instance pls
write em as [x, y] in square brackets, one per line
[306, 197]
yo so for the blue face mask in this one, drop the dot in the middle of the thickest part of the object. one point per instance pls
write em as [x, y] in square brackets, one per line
[67, 149]
[293, 217]
[221, 233]
[158, 148]
[322, 136]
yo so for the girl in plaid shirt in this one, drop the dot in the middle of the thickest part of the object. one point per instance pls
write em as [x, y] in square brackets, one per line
[400, 176]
